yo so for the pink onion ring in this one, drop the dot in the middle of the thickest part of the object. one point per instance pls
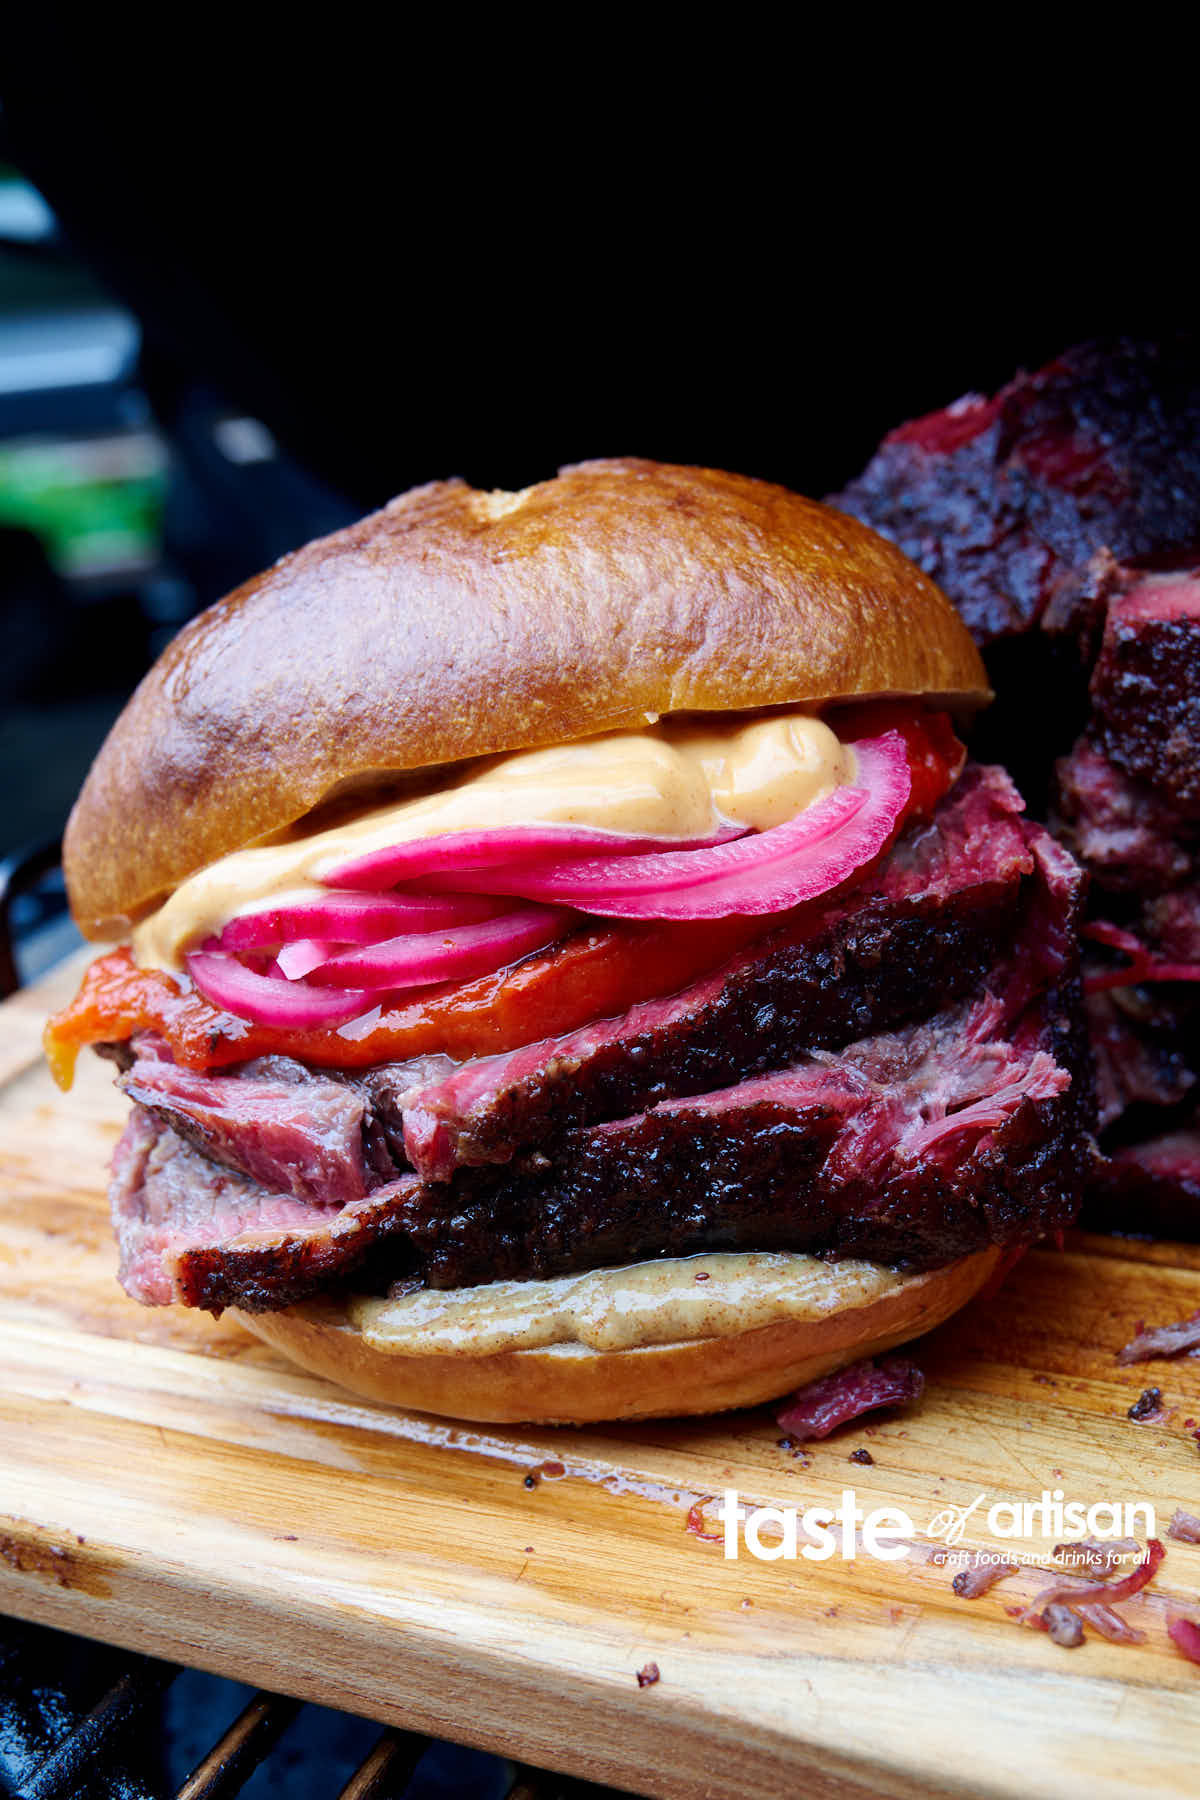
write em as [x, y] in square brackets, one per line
[355, 918]
[423, 958]
[763, 872]
[296, 959]
[456, 850]
[266, 1000]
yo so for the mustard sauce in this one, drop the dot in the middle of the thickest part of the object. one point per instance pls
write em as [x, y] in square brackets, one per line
[675, 1300]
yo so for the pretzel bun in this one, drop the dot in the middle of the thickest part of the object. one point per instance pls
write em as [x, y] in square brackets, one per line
[456, 623]
[571, 1384]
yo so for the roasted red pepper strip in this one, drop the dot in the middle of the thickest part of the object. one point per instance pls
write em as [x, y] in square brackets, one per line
[596, 974]
[935, 756]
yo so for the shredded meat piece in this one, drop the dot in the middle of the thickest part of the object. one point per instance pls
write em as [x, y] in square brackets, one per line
[1096, 1556]
[1185, 1635]
[1065, 1627]
[816, 1410]
[1110, 1624]
[1185, 1526]
[1104, 1593]
[982, 1571]
[1163, 1340]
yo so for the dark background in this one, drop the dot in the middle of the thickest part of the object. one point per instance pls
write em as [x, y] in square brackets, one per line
[411, 260]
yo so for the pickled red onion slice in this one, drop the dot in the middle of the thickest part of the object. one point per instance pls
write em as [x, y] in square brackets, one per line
[302, 954]
[355, 918]
[454, 850]
[266, 1000]
[763, 872]
[423, 958]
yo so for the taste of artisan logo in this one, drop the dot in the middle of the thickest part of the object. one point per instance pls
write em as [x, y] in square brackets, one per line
[888, 1533]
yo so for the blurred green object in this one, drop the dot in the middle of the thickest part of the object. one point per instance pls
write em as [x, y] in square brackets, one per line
[95, 503]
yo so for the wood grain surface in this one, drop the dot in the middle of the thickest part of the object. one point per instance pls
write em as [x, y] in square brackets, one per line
[168, 1484]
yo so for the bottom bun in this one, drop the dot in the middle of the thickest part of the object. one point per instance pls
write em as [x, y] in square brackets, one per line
[572, 1384]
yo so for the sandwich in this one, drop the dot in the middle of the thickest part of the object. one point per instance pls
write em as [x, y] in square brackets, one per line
[566, 967]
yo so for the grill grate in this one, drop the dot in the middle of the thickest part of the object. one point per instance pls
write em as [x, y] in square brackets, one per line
[252, 1736]
[91, 1744]
[61, 1740]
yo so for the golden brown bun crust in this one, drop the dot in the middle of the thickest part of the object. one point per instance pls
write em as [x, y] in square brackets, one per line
[570, 1385]
[456, 623]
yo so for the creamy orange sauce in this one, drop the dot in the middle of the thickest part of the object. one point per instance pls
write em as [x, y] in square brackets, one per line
[673, 780]
[672, 1301]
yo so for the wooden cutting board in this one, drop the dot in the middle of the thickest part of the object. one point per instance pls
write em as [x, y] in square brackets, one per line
[167, 1484]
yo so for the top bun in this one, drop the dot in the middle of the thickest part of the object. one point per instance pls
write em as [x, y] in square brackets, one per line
[456, 623]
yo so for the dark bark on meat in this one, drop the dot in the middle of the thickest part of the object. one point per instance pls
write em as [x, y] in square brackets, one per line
[818, 994]
[1170, 926]
[188, 1229]
[662, 1185]
[920, 933]
[1146, 688]
[1151, 1189]
[844, 1157]
[274, 1267]
[1135, 1063]
[915, 1149]
[1003, 501]
[1128, 838]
